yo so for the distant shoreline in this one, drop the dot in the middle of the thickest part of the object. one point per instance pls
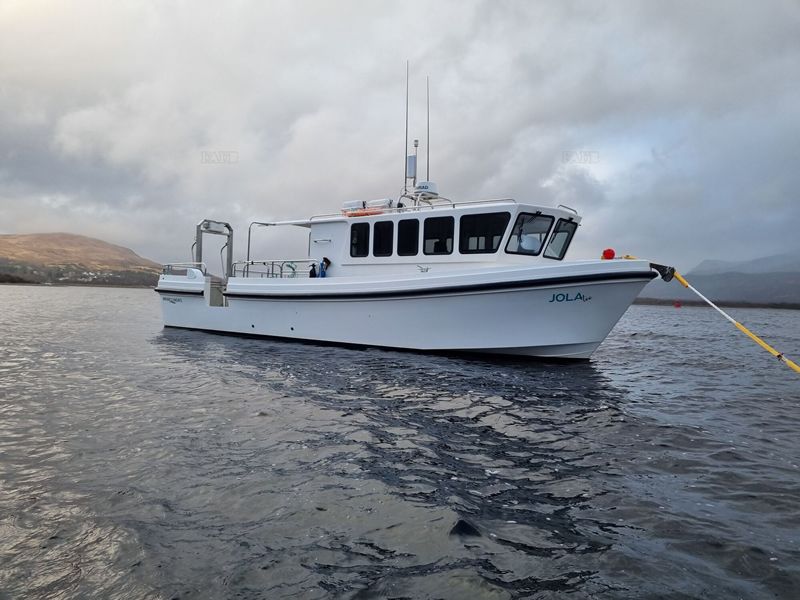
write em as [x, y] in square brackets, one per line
[725, 303]
[83, 285]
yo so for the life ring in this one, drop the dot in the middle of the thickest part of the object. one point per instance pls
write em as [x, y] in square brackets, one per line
[362, 212]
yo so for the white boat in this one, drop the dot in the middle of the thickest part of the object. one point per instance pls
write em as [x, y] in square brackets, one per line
[420, 273]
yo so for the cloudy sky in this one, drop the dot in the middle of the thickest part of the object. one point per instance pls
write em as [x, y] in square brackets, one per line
[673, 127]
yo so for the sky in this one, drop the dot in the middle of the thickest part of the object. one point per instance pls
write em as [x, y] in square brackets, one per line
[672, 127]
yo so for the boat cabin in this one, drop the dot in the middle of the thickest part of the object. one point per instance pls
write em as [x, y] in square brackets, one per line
[368, 238]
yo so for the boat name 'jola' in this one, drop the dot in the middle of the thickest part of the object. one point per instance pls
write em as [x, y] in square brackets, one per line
[568, 298]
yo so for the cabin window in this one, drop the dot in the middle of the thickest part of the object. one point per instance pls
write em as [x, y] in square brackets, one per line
[438, 238]
[481, 234]
[529, 234]
[383, 238]
[359, 239]
[408, 237]
[562, 236]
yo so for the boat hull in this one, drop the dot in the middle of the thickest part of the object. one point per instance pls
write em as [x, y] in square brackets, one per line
[563, 318]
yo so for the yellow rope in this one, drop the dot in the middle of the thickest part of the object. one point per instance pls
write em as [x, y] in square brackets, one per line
[681, 280]
[791, 364]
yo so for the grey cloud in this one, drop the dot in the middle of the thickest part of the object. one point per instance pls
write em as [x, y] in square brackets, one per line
[691, 109]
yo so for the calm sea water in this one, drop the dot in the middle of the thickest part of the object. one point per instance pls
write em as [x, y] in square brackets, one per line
[142, 463]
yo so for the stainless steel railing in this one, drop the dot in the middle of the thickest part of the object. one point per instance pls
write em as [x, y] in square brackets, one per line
[287, 268]
[434, 203]
[179, 268]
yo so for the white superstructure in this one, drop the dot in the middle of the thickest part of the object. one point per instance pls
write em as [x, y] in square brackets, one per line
[422, 273]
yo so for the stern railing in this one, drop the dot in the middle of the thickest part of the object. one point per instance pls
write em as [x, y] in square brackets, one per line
[180, 268]
[286, 268]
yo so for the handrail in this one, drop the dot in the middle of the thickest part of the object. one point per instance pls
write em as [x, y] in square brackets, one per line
[221, 262]
[431, 206]
[273, 260]
[568, 208]
[249, 232]
[275, 268]
[396, 210]
[168, 267]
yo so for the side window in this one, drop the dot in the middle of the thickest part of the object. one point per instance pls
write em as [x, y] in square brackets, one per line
[562, 236]
[529, 234]
[359, 239]
[383, 239]
[438, 237]
[481, 234]
[408, 237]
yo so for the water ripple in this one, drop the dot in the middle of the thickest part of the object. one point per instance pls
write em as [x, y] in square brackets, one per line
[145, 463]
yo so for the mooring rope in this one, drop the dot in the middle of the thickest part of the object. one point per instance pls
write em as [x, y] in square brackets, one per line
[667, 273]
[779, 355]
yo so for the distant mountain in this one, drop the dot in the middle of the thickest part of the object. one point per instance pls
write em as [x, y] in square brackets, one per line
[768, 280]
[68, 259]
[780, 263]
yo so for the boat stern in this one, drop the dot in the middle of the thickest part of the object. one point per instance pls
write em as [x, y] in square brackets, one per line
[183, 291]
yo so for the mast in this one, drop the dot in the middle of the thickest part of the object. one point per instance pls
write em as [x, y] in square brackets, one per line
[428, 135]
[405, 147]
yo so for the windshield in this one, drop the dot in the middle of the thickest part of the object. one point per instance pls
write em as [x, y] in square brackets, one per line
[562, 236]
[529, 234]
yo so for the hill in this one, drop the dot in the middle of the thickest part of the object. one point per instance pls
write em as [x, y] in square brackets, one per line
[72, 259]
[779, 263]
[768, 280]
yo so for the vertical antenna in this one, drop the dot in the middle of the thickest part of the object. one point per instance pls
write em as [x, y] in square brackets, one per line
[428, 137]
[405, 149]
[416, 145]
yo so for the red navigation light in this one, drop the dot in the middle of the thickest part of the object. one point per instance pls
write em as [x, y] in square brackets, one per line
[609, 254]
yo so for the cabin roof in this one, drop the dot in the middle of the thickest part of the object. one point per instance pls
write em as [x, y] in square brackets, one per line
[423, 210]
